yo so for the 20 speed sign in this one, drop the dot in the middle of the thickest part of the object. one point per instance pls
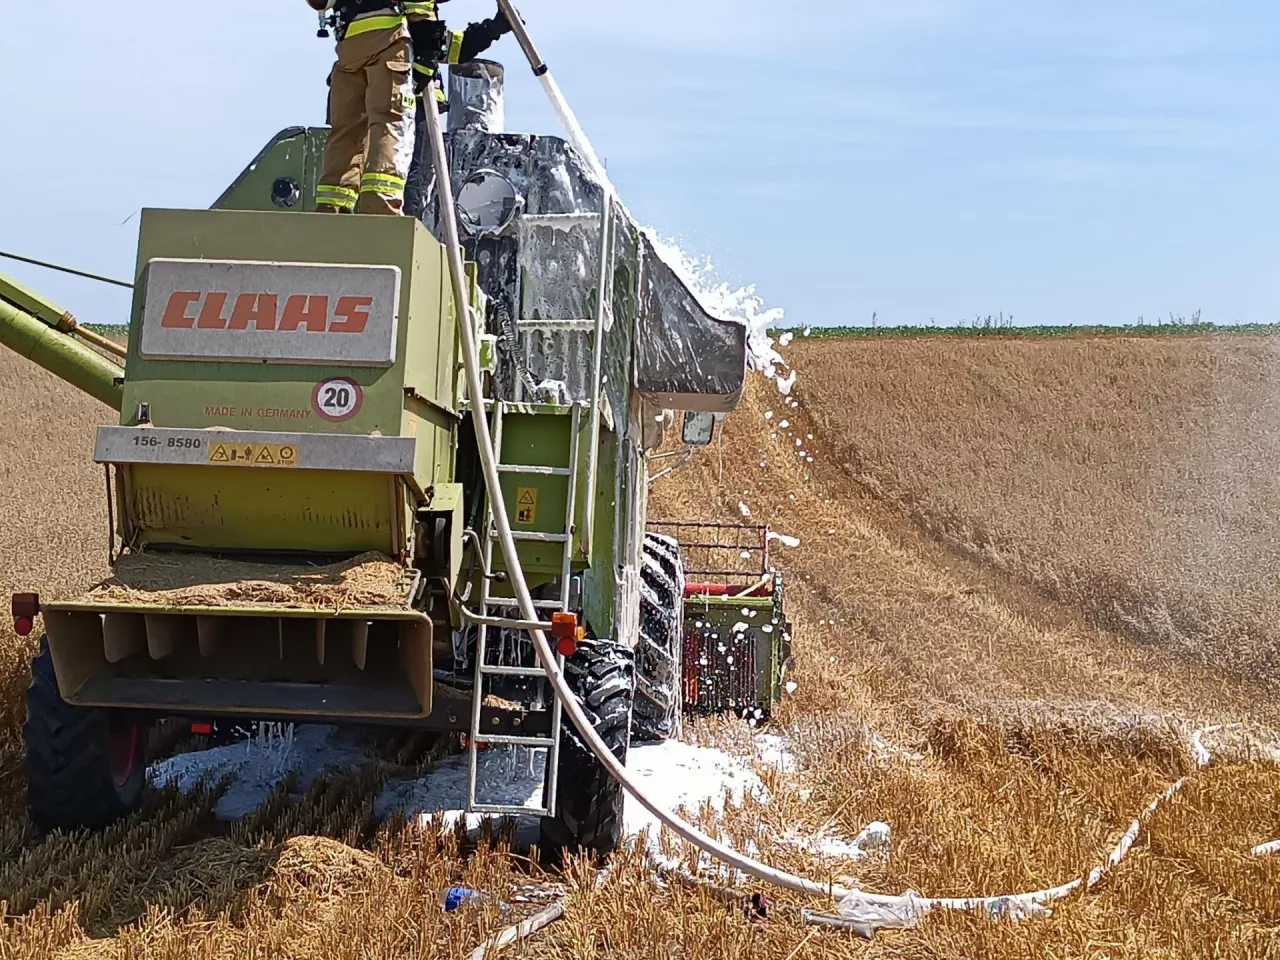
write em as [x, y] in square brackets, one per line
[337, 400]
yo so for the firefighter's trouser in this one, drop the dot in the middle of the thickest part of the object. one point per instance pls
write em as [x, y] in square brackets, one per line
[371, 113]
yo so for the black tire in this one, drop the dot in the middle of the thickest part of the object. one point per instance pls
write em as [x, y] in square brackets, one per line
[660, 650]
[85, 765]
[589, 802]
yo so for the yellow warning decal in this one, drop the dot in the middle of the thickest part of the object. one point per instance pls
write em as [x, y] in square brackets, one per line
[527, 505]
[253, 454]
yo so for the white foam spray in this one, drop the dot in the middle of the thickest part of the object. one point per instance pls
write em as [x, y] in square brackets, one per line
[726, 302]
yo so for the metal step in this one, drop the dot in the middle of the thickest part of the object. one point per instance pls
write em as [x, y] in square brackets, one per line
[512, 602]
[504, 740]
[534, 471]
[531, 536]
[556, 326]
[509, 810]
[558, 219]
[497, 670]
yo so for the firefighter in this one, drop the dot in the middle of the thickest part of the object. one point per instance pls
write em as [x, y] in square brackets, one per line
[388, 52]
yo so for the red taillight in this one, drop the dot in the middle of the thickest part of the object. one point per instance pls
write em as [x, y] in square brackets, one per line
[564, 627]
[202, 729]
[25, 608]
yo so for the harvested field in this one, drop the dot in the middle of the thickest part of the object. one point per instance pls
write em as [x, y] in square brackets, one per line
[1008, 734]
[1133, 478]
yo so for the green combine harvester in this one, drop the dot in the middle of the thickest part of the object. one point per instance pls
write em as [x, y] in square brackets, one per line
[300, 528]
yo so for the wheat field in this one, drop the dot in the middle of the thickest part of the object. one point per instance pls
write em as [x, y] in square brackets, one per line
[958, 675]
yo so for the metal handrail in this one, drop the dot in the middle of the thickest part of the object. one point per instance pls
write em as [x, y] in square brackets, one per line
[597, 360]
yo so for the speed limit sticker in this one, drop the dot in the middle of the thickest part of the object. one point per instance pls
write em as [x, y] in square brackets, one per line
[337, 400]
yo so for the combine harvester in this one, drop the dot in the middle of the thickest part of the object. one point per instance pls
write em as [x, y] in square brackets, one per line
[304, 525]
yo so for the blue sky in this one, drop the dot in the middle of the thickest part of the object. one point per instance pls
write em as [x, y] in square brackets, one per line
[1089, 162]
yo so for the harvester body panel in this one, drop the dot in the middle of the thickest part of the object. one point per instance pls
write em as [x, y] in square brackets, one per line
[292, 392]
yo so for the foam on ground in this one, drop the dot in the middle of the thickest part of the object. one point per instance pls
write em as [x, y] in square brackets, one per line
[673, 774]
[256, 768]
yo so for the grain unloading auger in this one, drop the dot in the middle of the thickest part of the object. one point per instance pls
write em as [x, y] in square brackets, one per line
[301, 525]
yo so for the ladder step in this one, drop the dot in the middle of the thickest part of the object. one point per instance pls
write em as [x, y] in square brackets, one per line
[557, 219]
[533, 537]
[557, 326]
[506, 602]
[507, 810]
[495, 670]
[509, 741]
[536, 471]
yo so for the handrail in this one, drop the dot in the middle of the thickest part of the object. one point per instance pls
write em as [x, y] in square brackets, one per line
[602, 303]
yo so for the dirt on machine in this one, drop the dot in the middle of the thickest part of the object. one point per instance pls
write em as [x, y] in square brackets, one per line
[300, 528]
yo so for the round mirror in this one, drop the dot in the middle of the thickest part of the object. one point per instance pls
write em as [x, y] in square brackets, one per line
[487, 203]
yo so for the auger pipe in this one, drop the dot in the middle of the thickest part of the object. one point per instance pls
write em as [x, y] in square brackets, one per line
[61, 355]
[488, 462]
[44, 309]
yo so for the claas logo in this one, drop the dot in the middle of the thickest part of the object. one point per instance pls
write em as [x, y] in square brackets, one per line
[265, 311]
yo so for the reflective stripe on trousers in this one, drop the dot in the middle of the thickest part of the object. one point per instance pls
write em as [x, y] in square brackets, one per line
[343, 198]
[384, 184]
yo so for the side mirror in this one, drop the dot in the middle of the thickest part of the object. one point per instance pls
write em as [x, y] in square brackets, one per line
[699, 429]
[487, 203]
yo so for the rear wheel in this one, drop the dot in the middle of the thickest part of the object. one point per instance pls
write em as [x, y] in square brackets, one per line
[589, 801]
[660, 648]
[85, 765]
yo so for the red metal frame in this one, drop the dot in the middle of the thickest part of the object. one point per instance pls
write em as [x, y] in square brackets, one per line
[707, 547]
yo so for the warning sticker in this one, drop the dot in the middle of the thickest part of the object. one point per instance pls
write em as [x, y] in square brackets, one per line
[527, 505]
[254, 454]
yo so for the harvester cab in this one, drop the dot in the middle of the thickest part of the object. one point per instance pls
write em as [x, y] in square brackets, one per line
[301, 528]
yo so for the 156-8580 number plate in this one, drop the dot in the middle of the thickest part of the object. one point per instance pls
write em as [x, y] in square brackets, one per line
[172, 443]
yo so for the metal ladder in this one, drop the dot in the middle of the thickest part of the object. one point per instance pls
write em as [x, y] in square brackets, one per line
[492, 606]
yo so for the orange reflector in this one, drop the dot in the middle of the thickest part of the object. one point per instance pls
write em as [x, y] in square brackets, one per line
[564, 626]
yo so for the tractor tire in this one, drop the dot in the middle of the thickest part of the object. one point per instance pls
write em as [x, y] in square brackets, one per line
[589, 801]
[86, 766]
[660, 650]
